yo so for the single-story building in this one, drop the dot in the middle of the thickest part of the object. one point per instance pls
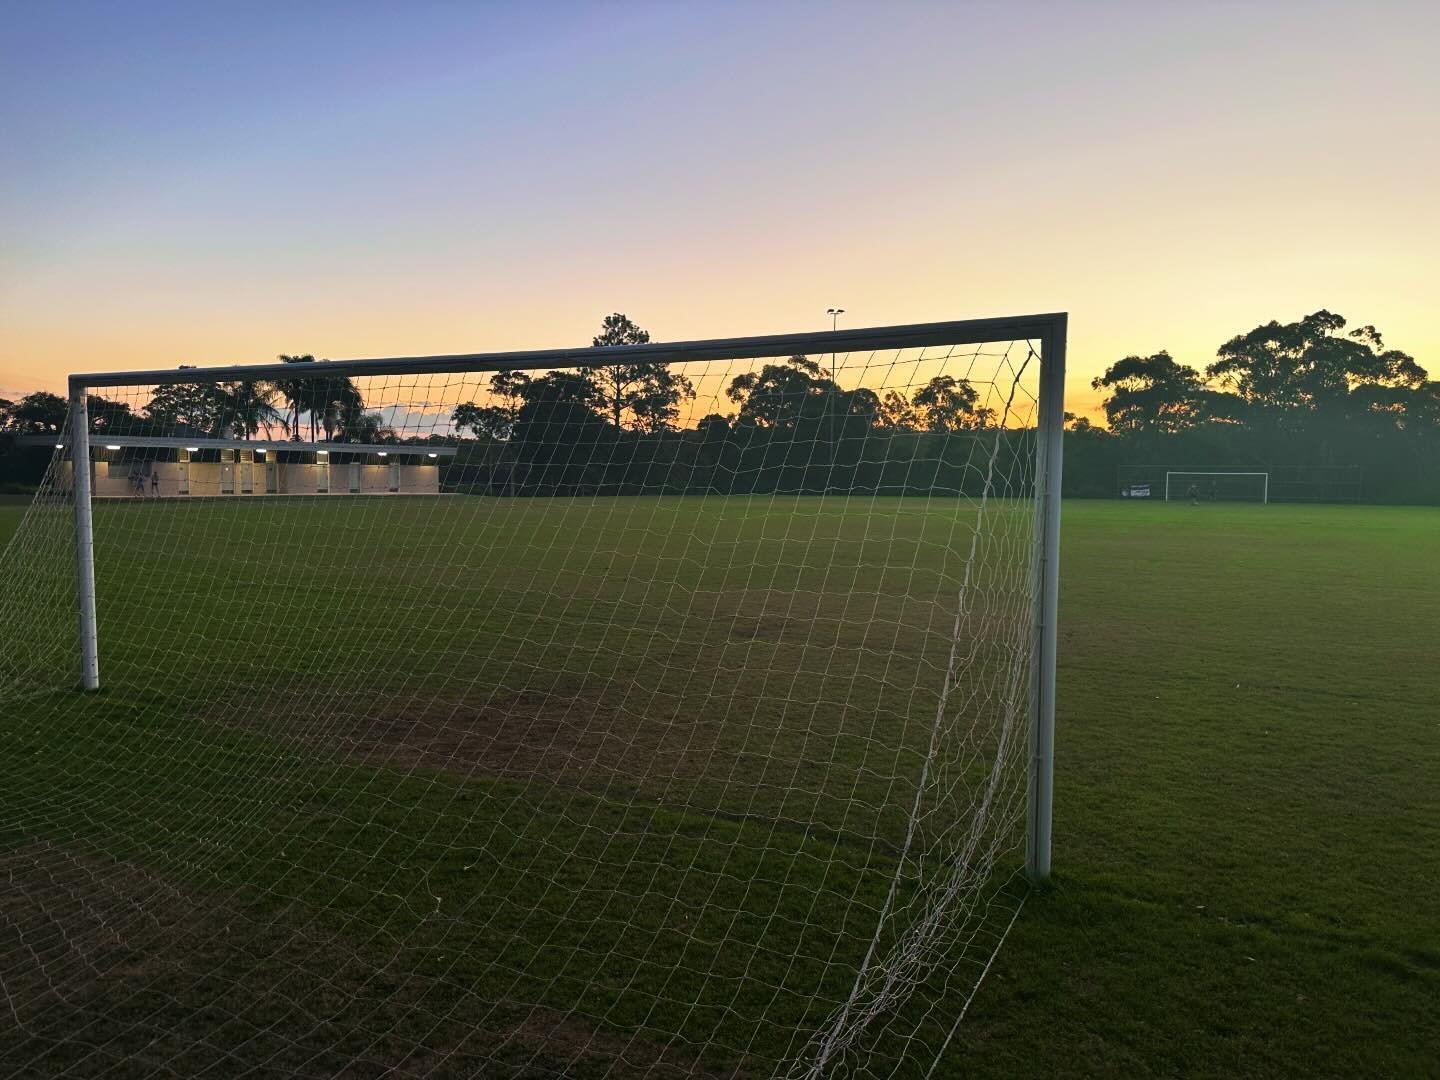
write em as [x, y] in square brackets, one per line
[144, 466]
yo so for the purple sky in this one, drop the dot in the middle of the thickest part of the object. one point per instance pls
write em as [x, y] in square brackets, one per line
[222, 182]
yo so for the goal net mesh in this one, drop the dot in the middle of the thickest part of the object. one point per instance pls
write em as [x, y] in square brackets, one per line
[625, 721]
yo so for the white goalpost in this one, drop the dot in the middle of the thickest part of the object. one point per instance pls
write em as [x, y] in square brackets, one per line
[668, 709]
[1217, 486]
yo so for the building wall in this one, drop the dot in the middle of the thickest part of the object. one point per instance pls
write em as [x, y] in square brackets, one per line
[297, 479]
[374, 478]
[420, 479]
[102, 483]
[205, 478]
[202, 479]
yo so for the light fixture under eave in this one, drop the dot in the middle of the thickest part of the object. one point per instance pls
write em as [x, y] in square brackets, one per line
[59, 446]
[432, 455]
[384, 453]
[112, 446]
[192, 449]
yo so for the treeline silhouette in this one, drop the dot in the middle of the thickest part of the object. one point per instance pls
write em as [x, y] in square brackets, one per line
[328, 406]
[614, 429]
[1330, 414]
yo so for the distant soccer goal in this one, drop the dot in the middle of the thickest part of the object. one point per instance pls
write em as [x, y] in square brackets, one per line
[1222, 486]
[666, 710]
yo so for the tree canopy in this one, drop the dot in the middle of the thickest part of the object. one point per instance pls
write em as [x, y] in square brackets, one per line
[642, 393]
[781, 395]
[1303, 394]
[1150, 394]
[1310, 364]
[40, 413]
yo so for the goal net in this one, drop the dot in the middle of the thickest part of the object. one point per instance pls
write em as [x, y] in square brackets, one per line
[1222, 486]
[666, 710]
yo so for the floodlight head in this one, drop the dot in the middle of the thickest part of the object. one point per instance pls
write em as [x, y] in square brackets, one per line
[61, 446]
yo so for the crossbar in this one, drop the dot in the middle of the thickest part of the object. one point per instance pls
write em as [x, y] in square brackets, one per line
[915, 335]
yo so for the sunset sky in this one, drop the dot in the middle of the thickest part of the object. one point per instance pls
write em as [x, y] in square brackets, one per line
[218, 183]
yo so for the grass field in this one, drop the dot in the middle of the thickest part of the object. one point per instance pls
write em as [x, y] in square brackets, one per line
[1247, 837]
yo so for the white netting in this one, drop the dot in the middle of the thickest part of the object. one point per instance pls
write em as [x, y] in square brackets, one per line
[694, 746]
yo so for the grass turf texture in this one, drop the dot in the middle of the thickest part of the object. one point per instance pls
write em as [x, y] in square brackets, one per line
[1246, 835]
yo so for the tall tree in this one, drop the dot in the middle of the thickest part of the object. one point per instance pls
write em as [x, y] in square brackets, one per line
[561, 388]
[485, 421]
[946, 403]
[39, 413]
[110, 416]
[496, 420]
[199, 407]
[648, 392]
[1151, 394]
[340, 401]
[897, 413]
[780, 395]
[655, 403]
[558, 432]
[359, 426]
[509, 388]
[299, 394]
[1310, 364]
[250, 405]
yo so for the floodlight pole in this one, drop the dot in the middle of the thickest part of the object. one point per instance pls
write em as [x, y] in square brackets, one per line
[1046, 565]
[834, 313]
[84, 538]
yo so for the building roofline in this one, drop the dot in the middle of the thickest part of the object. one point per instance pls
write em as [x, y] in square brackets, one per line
[166, 442]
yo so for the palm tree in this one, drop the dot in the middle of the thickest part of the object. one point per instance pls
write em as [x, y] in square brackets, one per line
[251, 406]
[341, 401]
[299, 394]
[366, 427]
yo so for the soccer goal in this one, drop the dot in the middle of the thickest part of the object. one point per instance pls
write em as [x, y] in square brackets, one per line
[1223, 486]
[668, 709]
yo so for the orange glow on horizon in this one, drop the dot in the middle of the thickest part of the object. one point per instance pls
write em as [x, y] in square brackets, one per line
[1000, 160]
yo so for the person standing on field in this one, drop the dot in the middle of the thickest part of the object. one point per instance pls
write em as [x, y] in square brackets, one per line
[1194, 493]
[154, 483]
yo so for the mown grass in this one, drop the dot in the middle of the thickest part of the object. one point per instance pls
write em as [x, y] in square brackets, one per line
[1246, 833]
[1247, 805]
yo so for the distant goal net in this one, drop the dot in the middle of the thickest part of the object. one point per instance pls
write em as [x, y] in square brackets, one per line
[1220, 486]
[662, 710]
